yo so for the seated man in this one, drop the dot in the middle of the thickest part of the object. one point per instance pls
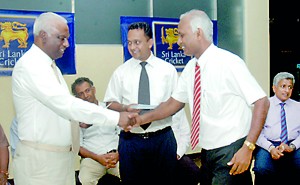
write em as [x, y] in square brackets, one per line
[187, 172]
[98, 144]
[277, 158]
[4, 157]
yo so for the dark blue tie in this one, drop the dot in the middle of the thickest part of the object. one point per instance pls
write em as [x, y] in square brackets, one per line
[144, 91]
[284, 133]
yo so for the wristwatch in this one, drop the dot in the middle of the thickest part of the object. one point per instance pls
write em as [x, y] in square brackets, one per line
[292, 146]
[250, 145]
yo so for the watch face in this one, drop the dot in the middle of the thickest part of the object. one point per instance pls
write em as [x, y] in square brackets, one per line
[292, 146]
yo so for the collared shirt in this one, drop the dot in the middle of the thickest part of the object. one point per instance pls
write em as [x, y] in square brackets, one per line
[182, 133]
[3, 138]
[228, 92]
[124, 84]
[44, 106]
[13, 137]
[99, 139]
[272, 128]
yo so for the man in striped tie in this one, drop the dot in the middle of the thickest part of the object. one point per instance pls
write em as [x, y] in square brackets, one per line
[226, 125]
[277, 159]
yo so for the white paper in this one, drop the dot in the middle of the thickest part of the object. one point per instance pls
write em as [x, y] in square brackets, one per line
[143, 106]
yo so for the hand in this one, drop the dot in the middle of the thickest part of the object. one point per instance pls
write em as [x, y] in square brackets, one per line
[127, 120]
[277, 152]
[108, 160]
[84, 125]
[113, 159]
[240, 161]
[136, 118]
[3, 179]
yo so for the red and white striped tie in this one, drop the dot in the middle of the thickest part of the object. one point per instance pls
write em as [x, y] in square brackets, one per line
[196, 110]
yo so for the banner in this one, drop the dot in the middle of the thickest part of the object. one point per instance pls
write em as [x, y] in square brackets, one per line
[165, 37]
[16, 37]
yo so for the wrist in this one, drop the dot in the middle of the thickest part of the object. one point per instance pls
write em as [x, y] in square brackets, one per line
[251, 146]
[292, 146]
[5, 172]
[270, 148]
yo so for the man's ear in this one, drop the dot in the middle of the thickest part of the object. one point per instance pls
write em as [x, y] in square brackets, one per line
[43, 35]
[150, 43]
[199, 33]
[274, 88]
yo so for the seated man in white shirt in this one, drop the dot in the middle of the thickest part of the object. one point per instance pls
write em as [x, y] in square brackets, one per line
[98, 144]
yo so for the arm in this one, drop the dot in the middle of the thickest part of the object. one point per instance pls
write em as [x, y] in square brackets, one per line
[116, 106]
[165, 109]
[4, 157]
[108, 160]
[259, 115]
[242, 158]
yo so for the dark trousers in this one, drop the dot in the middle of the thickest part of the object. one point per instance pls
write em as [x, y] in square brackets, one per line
[187, 172]
[270, 171]
[150, 160]
[214, 169]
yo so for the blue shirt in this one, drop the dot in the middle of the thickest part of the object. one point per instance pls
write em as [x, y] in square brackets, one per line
[272, 128]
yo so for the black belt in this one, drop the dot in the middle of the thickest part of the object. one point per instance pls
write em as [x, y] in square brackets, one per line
[147, 134]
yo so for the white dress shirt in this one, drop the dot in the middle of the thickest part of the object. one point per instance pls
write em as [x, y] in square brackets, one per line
[182, 132]
[99, 139]
[228, 92]
[44, 106]
[124, 84]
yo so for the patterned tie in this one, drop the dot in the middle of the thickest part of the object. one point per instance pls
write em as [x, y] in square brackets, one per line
[144, 92]
[196, 110]
[284, 134]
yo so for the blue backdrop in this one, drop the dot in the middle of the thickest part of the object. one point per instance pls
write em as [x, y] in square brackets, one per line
[165, 36]
[16, 37]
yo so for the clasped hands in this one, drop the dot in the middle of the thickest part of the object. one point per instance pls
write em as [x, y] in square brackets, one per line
[278, 151]
[108, 160]
[131, 119]
[128, 120]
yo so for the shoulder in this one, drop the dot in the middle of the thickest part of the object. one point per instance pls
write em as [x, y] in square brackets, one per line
[162, 65]
[223, 57]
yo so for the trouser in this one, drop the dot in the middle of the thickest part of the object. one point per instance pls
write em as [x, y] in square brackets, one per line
[148, 158]
[214, 169]
[91, 171]
[32, 166]
[187, 172]
[282, 171]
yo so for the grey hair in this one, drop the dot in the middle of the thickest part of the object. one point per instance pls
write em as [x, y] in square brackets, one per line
[281, 76]
[45, 22]
[199, 19]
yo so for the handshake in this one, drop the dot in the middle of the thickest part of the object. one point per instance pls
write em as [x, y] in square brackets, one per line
[128, 120]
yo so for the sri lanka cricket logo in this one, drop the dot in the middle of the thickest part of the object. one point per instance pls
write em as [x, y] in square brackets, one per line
[13, 31]
[171, 38]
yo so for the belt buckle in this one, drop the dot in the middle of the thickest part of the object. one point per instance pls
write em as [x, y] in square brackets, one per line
[145, 135]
